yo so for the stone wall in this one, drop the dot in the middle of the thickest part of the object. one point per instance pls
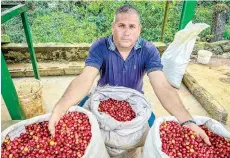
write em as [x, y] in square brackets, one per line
[220, 48]
[47, 52]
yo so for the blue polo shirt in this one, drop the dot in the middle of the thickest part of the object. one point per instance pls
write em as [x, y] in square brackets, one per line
[115, 71]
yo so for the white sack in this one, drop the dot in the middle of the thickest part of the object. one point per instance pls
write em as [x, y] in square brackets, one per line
[176, 57]
[153, 145]
[96, 147]
[121, 135]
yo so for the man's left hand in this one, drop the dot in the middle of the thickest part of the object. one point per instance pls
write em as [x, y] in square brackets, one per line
[199, 132]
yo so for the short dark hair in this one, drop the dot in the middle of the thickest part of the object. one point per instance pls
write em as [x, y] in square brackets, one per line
[127, 9]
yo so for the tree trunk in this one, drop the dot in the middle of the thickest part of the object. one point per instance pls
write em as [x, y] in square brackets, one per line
[219, 18]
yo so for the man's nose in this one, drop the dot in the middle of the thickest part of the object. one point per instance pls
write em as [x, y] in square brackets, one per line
[127, 32]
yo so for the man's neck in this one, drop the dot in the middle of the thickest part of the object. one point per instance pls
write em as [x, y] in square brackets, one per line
[124, 52]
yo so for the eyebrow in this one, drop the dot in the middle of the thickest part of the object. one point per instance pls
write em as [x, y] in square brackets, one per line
[125, 24]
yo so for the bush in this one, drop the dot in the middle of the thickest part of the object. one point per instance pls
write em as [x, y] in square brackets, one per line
[78, 21]
[204, 15]
[62, 27]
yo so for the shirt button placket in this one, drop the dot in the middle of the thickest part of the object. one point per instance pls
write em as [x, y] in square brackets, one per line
[124, 67]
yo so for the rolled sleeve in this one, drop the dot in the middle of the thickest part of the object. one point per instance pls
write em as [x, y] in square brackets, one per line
[153, 61]
[95, 56]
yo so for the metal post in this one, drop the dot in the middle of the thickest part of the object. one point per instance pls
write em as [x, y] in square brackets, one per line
[9, 93]
[30, 44]
[8, 90]
[188, 13]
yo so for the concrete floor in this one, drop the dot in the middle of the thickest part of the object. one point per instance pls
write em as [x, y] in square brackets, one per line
[54, 87]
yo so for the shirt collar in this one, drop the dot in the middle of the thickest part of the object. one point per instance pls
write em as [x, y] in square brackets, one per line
[113, 47]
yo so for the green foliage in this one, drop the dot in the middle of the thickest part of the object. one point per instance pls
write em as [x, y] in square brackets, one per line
[227, 32]
[5, 38]
[204, 15]
[173, 20]
[59, 27]
[220, 8]
[85, 21]
[152, 17]
[14, 29]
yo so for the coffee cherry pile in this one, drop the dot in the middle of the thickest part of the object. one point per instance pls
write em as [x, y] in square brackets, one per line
[72, 136]
[180, 142]
[119, 110]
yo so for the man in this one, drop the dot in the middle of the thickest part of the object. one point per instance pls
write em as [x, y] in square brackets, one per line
[122, 60]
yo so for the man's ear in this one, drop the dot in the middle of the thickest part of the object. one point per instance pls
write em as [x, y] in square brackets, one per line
[140, 26]
[113, 25]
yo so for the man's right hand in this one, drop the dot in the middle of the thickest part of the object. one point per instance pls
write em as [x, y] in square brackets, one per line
[77, 90]
[54, 119]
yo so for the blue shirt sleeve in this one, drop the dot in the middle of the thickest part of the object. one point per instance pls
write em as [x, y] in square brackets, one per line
[95, 56]
[153, 60]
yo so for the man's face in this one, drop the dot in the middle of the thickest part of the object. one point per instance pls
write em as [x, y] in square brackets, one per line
[126, 30]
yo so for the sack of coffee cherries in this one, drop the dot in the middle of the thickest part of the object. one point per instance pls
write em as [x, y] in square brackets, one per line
[123, 115]
[167, 138]
[77, 135]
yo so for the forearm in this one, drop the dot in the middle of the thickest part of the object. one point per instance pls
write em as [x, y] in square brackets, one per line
[75, 92]
[168, 96]
[172, 103]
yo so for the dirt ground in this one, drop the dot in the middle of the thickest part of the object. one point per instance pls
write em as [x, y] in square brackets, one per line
[215, 78]
[54, 87]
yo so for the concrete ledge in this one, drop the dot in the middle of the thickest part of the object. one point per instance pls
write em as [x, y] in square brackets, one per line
[46, 69]
[216, 111]
[73, 70]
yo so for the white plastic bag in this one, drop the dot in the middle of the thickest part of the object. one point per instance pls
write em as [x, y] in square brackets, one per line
[176, 57]
[153, 145]
[96, 147]
[121, 135]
